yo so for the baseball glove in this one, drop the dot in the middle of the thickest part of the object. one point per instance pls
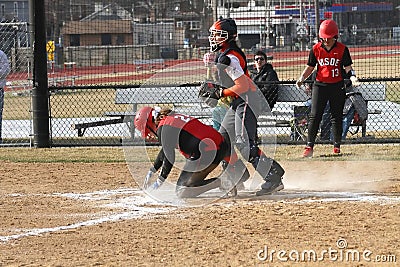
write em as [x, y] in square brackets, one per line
[210, 93]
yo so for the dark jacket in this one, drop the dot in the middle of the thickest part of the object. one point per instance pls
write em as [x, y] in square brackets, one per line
[270, 91]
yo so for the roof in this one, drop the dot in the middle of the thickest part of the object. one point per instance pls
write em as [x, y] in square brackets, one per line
[109, 12]
[97, 26]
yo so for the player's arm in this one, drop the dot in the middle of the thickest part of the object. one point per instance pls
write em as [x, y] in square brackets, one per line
[164, 160]
[159, 160]
[304, 75]
[156, 166]
[234, 70]
[166, 166]
[311, 63]
[242, 85]
[348, 68]
[168, 137]
[347, 62]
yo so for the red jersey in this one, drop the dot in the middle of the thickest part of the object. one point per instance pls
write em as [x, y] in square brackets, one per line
[329, 63]
[185, 133]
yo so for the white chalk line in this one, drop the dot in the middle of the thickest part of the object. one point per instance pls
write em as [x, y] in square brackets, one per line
[326, 196]
[136, 204]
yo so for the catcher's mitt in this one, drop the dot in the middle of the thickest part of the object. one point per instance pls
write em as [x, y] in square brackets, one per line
[210, 92]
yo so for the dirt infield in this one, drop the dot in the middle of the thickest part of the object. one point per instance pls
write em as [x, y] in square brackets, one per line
[331, 213]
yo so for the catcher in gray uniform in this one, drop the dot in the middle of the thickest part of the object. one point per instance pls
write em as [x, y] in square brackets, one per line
[240, 123]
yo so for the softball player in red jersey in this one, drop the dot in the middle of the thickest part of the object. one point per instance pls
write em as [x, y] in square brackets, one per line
[333, 62]
[203, 147]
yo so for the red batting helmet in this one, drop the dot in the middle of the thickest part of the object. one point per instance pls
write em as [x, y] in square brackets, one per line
[223, 30]
[144, 122]
[328, 29]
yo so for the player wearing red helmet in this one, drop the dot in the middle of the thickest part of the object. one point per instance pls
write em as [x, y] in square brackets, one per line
[239, 126]
[202, 146]
[332, 59]
[328, 29]
[144, 122]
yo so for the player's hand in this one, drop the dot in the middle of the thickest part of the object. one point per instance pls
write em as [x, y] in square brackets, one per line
[354, 81]
[160, 180]
[300, 81]
[210, 93]
[148, 177]
[210, 90]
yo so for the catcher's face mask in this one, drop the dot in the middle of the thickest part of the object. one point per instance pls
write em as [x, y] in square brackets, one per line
[217, 38]
[222, 31]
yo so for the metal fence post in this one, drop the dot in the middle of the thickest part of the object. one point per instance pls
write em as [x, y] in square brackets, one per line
[40, 97]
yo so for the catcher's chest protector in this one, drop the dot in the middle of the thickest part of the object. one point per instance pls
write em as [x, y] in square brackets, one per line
[223, 77]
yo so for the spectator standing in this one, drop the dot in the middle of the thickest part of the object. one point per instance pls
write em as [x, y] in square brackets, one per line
[4, 71]
[330, 57]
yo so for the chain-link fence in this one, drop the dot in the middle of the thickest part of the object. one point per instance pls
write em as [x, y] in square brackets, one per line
[95, 52]
[16, 116]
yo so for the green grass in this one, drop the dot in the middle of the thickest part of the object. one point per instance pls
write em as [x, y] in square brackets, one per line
[116, 154]
[91, 154]
[357, 152]
[393, 92]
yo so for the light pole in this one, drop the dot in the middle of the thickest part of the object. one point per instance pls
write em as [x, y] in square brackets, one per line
[15, 29]
[268, 21]
[316, 6]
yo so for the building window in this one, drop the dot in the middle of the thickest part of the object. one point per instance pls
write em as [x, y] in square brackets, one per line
[106, 39]
[190, 25]
[75, 40]
[142, 38]
[3, 11]
[195, 25]
[120, 39]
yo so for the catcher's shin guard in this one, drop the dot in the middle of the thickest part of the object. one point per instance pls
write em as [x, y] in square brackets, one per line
[268, 168]
[237, 172]
[241, 171]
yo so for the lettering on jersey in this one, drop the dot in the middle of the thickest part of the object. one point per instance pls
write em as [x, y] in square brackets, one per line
[182, 117]
[329, 61]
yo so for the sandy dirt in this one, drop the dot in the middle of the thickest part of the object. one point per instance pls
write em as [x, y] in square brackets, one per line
[94, 214]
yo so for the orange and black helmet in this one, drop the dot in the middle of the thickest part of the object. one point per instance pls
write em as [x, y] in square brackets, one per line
[222, 31]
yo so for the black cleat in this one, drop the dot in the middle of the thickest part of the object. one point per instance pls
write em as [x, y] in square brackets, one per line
[269, 187]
